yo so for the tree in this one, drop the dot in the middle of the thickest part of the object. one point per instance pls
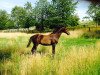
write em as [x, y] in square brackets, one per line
[18, 15]
[94, 13]
[3, 19]
[9, 24]
[30, 18]
[54, 14]
[73, 20]
[41, 13]
[65, 9]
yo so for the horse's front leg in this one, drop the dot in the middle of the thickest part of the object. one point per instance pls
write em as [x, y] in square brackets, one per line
[53, 49]
[34, 49]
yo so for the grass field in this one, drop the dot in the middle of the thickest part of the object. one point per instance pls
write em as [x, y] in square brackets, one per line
[75, 55]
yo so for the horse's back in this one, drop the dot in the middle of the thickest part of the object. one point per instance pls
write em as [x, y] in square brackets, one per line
[34, 37]
[37, 38]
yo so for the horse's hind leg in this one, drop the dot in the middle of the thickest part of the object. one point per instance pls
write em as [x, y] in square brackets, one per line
[34, 49]
[53, 49]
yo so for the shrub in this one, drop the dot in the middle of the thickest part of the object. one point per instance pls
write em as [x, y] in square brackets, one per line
[92, 34]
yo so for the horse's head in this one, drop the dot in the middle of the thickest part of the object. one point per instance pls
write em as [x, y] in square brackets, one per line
[64, 30]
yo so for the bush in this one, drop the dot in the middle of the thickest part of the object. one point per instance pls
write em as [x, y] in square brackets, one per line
[92, 34]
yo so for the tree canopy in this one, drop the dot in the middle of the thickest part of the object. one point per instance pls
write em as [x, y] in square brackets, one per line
[44, 15]
[3, 19]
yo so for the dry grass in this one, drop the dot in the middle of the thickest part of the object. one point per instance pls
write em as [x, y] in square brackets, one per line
[75, 60]
[73, 34]
[12, 35]
[79, 61]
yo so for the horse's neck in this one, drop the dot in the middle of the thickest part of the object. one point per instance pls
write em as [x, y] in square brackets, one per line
[57, 35]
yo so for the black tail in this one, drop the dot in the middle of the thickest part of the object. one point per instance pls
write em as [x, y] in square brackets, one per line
[29, 42]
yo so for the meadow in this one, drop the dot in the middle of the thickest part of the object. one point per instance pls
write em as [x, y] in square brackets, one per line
[75, 55]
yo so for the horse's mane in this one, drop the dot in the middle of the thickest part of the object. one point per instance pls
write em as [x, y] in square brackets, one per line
[57, 29]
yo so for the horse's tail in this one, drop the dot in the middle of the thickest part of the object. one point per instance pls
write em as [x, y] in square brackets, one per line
[30, 40]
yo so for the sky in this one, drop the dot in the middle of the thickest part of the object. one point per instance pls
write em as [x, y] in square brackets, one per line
[7, 5]
[82, 8]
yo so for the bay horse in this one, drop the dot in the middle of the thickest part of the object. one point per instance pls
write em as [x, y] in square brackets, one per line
[46, 40]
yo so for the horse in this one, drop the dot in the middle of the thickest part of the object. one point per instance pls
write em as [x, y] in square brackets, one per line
[47, 40]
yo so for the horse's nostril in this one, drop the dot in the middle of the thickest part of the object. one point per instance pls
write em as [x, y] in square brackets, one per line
[68, 33]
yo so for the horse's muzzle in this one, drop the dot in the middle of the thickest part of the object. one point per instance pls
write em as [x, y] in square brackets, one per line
[68, 33]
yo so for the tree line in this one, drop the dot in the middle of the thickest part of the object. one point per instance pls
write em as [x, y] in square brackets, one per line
[43, 15]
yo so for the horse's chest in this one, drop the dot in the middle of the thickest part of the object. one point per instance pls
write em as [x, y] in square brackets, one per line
[54, 40]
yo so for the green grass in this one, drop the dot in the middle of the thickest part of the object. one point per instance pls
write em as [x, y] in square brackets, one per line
[74, 56]
[77, 41]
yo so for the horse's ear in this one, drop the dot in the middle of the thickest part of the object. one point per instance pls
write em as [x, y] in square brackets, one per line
[63, 27]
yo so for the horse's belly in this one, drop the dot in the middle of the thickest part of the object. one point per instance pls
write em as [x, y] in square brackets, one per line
[46, 41]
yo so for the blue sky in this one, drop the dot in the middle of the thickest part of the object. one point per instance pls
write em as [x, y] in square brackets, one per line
[7, 5]
[82, 8]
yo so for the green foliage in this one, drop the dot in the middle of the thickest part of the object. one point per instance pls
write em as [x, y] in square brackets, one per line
[56, 13]
[23, 17]
[73, 20]
[3, 19]
[94, 12]
[10, 24]
[41, 13]
[54, 22]
[64, 12]
[45, 15]
[18, 16]
[29, 19]
[92, 34]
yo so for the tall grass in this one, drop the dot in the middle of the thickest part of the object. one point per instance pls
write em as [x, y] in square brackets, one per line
[74, 56]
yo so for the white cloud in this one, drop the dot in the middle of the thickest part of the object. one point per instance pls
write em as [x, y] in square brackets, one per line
[82, 8]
